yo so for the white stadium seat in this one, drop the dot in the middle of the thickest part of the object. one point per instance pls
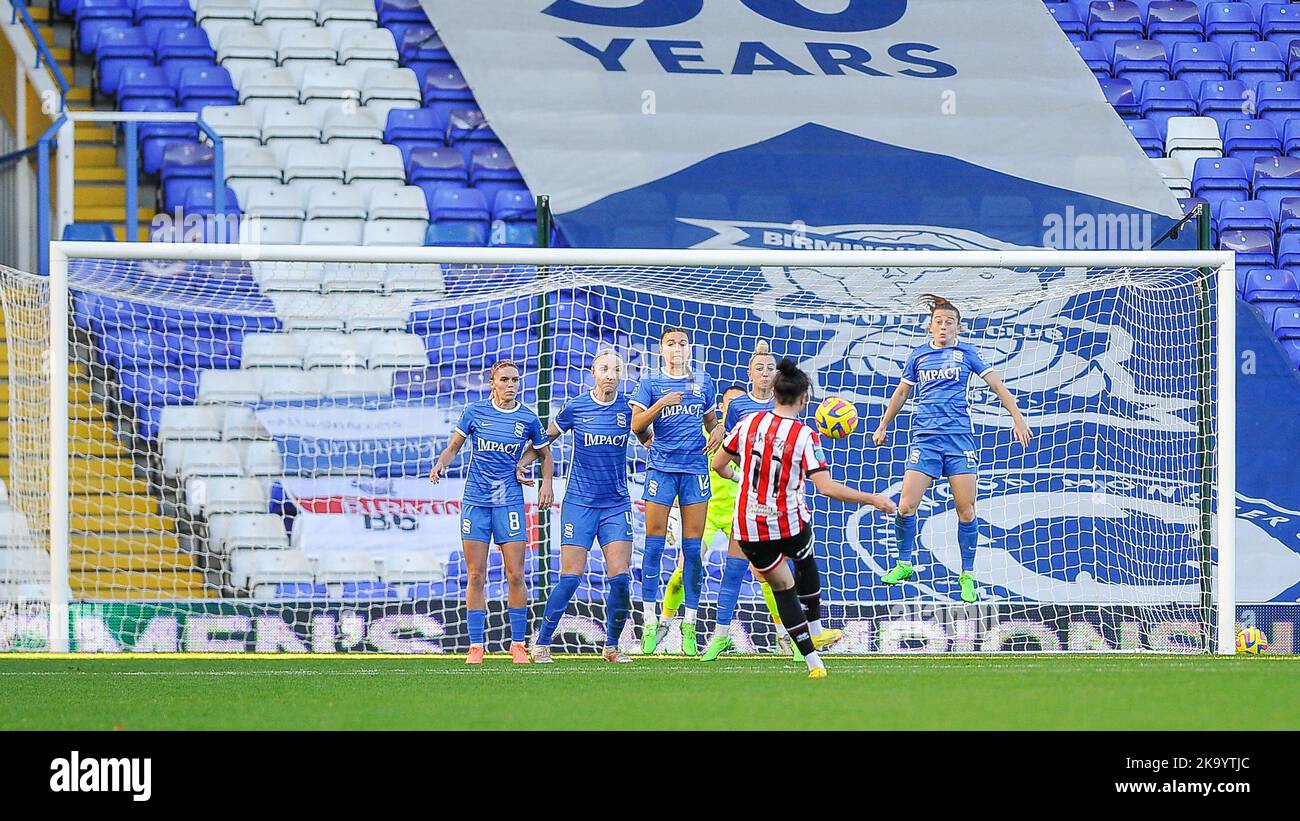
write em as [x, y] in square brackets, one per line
[209, 459]
[16, 533]
[406, 203]
[369, 313]
[313, 46]
[241, 47]
[330, 349]
[237, 125]
[241, 424]
[272, 350]
[343, 129]
[335, 566]
[284, 385]
[337, 16]
[394, 232]
[387, 88]
[22, 562]
[222, 387]
[274, 202]
[413, 277]
[214, 16]
[235, 531]
[344, 383]
[371, 47]
[288, 276]
[326, 86]
[308, 165]
[247, 167]
[190, 422]
[250, 568]
[260, 88]
[289, 124]
[1190, 138]
[306, 312]
[206, 496]
[261, 458]
[375, 167]
[272, 232]
[279, 16]
[335, 201]
[412, 566]
[333, 232]
[1175, 176]
[356, 277]
[397, 350]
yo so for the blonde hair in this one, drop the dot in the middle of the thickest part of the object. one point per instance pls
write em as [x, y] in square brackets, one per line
[502, 363]
[761, 348]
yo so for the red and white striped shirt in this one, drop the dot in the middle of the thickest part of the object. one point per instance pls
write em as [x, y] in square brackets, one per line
[777, 455]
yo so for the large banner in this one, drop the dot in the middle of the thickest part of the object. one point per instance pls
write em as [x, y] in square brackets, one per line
[807, 123]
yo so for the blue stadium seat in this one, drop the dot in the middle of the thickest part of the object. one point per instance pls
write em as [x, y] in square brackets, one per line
[1112, 21]
[1280, 24]
[1174, 21]
[1257, 62]
[1119, 93]
[1225, 100]
[88, 232]
[423, 51]
[1272, 284]
[1278, 101]
[1248, 140]
[1198, 62]
[158, 386]
[410, 128]
[118, 48]
[1094, 58]
[1140, 60]
[492, 170]
[468, 125]
[184, 166]
[155, 26]
[1220, 178]
[1291, 137]
[399, 15]
[205, 85]
[1162, 100]
[155, 137]
[1293, 62]
[93, 16]
[179, 48]
[436, 165]
[1292, 349]
[126, 348]
[1275, 178]
[139, 83]
[219, 350]
[1288, 218]
[458, 216]
[1068, 19]
[512, 235]
[1254, 249]
[1148, 137]
[1286, 323]
[1245, 215]
[444, 90]
[1227, 23]
[202, 201]
[514, 205]
[163, 10]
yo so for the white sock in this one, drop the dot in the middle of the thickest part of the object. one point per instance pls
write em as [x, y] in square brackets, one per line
[650, 610]
[720, 631]
[780, 632]
[688, 615]
[814, 660]
[815, 627]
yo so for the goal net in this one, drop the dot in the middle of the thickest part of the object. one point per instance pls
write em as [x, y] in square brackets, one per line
[226, 448]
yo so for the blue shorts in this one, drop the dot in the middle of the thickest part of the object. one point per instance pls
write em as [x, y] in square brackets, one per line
[685, 488]
[493, 524]
[942, 454]
[581, 525]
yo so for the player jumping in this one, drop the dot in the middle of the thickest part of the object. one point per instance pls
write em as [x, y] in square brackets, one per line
[493, 505]
[776, 454]
[943, 440]
[675, 401]
[596, 504]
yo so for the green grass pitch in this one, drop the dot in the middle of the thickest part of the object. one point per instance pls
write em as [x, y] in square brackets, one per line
[937, 692]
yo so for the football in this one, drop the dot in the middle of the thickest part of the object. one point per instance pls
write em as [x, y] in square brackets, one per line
[836, 417]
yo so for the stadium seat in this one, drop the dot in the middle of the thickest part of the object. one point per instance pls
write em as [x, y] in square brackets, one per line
[1278, 101]
[235, 531]
[241, 47]
[1195, 63]
[408, 128]
[254, 570]
[469, 125]
[1288, 215]
[208, 460]
[1293, 62]
[184, 165]
[241, 423]
[1120, 95]
[94, 16]
[137, 84]
[283, 385]
[228, 387]
[337, 16]
[412, 566]
[1286, 323]
[343, 129]
[514, 205]
[422, 51]
[413, 277]
[375, 167]
[492, 170]
[275, 202]
[1068, 19]
[1220, 179]
[325, 86]
[343, 384]
[1190, 138]
[237, 126]
[307, 165]
[202, 86]
[385, 89]
[118, 48]
[400, 15]
[445, 90]
[335, 201]
[1172, 22]
[1257, 62]
[279, 16]
[312, 47]
[88, 232]
[190, 422]
[1279, 24]
[1275, 178]
[203, 202]
[206, 496]
[1245, 215]
[1162, 100]
[1249, 140]
[333, 232]
[405, 203]
[263, 350]
[436, 165]
[247, 168]
[1274, 285]
[214, 16]
[1140, 60]
[187, 47]
[1226, 100]
[1254, 249]
[1109, 22]
[1227, 23]
[1147, 136]
[372, 48]
[350, 278]
[1092, 54]
[336, 566]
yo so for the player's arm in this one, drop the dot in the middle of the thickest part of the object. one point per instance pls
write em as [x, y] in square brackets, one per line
[716, 432]
[530, 453]
[447, 456]
[829, 487]
[643, 417]
[896, 403]
[1020, 428]
[722, 463]
[546, 494]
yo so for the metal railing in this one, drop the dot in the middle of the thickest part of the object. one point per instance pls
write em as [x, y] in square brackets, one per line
[43, 53]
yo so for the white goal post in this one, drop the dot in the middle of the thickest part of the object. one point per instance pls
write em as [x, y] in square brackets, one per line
[1105, 312]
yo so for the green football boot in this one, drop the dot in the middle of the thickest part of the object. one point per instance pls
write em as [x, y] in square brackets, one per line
[718, 646]
[967, 582]
[689, 645]
[901, 573]
[649, 637]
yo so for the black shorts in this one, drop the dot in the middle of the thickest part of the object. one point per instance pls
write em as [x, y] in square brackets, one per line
[766, 555]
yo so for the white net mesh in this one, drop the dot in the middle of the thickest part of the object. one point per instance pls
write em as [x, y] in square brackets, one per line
[249, 447]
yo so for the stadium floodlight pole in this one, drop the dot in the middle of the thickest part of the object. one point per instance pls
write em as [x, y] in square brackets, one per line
[57, 370]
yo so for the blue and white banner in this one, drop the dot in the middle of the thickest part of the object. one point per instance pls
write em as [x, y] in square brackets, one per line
[385, 438]
[807, 123]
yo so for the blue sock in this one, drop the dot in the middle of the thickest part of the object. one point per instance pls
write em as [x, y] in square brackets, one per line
[692, 572]
[556, 604]
[650, 559]
[618, 601]
[968, 533]
[477, 626]
[733, 576]
[519, 624]
[905, 528]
